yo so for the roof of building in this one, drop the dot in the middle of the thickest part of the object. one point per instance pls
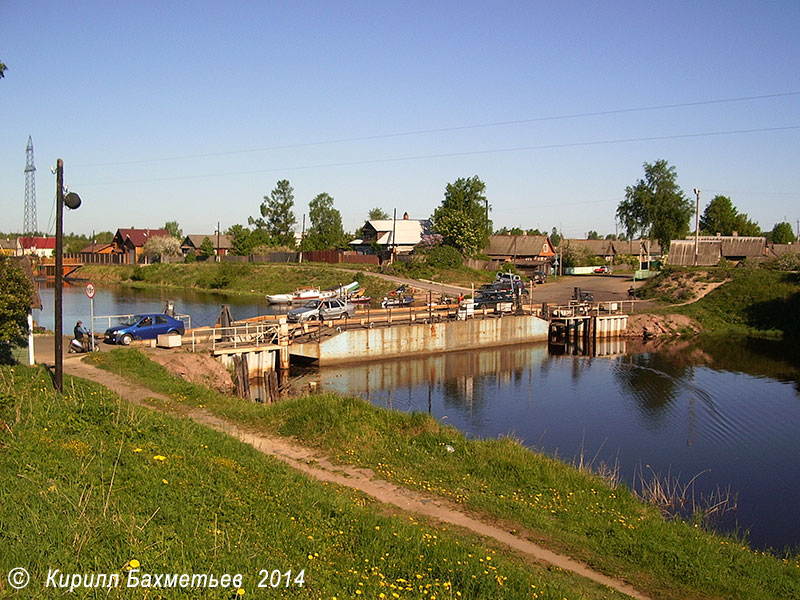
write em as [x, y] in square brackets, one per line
[781, 249]
[596, 247]
[8, 243]
[138, 237]
[682, 253]
[195, 240]
[42, 243]
[520, 245]
[96, 248]
[634, 247]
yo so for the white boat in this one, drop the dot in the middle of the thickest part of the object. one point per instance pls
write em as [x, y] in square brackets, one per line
[342, 290]
[279, 298]
[304, 294]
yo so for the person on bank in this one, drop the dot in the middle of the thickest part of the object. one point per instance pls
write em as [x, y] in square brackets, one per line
[81, 334]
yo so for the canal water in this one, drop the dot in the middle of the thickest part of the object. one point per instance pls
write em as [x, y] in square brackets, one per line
[727, 412]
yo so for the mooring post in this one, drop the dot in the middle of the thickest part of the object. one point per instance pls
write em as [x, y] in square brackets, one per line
[283, 344]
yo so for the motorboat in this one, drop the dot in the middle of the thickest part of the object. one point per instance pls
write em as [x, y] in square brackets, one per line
[279, 298]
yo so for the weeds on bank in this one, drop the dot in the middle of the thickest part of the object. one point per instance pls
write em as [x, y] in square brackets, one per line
[532, 494]
[94, 485]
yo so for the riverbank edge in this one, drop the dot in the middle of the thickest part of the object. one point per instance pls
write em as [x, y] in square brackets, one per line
[675, 559]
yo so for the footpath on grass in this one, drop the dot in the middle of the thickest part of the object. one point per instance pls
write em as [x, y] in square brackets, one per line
[315, 465]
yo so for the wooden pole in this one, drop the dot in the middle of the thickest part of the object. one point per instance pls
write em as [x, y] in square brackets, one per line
[59, 325]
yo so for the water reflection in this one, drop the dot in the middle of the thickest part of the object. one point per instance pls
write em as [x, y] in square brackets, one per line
[686, 408]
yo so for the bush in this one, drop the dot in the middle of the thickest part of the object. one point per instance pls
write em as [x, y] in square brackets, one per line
[443, 257]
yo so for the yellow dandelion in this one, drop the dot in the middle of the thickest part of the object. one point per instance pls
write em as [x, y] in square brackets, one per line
[164, 481]
[137, 449]
[159, 457]
[240, 592]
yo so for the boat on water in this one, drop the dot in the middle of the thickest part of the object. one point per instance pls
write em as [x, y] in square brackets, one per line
[279, 298]
[311, 293]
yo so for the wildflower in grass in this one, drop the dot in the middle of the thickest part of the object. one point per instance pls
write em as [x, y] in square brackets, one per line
[240, 592]
[137, 449]
[159, 457]
[164, 481]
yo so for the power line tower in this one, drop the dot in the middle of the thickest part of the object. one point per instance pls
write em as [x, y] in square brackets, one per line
[31, 226]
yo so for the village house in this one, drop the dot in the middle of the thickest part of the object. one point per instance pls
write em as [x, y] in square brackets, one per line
[43, 247]
[608, 250]
[711, 249]
[387, 235]
[526, 252]
[223, 244]
[8, 246]
[128, 243]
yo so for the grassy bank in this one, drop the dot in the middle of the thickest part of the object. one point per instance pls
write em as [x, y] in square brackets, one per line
[245, 278]
[234, 278]
[93, 484]
[544, 499]
[753, 301]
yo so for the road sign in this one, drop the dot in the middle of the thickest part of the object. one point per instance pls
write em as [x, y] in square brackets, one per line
[90, 290]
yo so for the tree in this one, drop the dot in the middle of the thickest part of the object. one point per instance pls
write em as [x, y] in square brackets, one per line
[174, 229]
[159, 247]
[277, 216]
[656, 207]
[378, 214]
[3, 68]
[721, 216]
[15, 301]
[462, 217]
[239, 236]
[206, 249]
[592, 235]
[555, 237]
[326, 229]
[782, 234]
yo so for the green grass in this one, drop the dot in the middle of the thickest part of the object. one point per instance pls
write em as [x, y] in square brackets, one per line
[754, 301]
[235, 278]
[551, 502]
[91, 484]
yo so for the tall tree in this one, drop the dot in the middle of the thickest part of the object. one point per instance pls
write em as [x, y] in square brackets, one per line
[462, 218]
[655, 206]
[277, 216]
[174, 229]
[721, 216]
[239, 239]
[377, 214]
[326, 229]
[782, 234]
[3, 68]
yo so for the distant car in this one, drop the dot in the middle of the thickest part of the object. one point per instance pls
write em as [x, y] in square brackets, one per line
[539, 277]
[326, 310]
[508, 282]
[603, 270]
[143, 327]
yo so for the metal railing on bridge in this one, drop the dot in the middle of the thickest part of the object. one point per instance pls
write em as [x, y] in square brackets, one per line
[235, 336]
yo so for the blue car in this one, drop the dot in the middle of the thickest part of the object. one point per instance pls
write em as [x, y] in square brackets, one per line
[143, 327]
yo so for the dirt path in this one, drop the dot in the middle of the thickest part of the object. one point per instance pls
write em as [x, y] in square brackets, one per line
[307, 461]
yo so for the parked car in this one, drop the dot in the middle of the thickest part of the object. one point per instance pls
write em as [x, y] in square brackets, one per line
[328, 309]
[143, 327]
[539, 277]
[603, 270]
[490, 299]
[508, 282]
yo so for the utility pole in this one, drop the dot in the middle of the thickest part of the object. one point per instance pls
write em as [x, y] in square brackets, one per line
[302, 237]
[59, 347]
[216, 250]
[394, 229]
[696, 226]
[72, 201]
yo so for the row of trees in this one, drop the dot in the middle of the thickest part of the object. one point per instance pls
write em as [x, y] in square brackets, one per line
[654, 207]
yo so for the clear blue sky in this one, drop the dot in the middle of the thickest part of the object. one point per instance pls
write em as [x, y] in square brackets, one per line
[193, 111]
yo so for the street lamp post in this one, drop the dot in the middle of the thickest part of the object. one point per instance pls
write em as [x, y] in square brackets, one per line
[73, 201]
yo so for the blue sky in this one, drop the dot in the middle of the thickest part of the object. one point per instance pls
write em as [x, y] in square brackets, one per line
[193, 111]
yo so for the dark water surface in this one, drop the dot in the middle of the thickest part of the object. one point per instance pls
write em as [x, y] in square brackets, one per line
[202, 306]
[729, 411]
